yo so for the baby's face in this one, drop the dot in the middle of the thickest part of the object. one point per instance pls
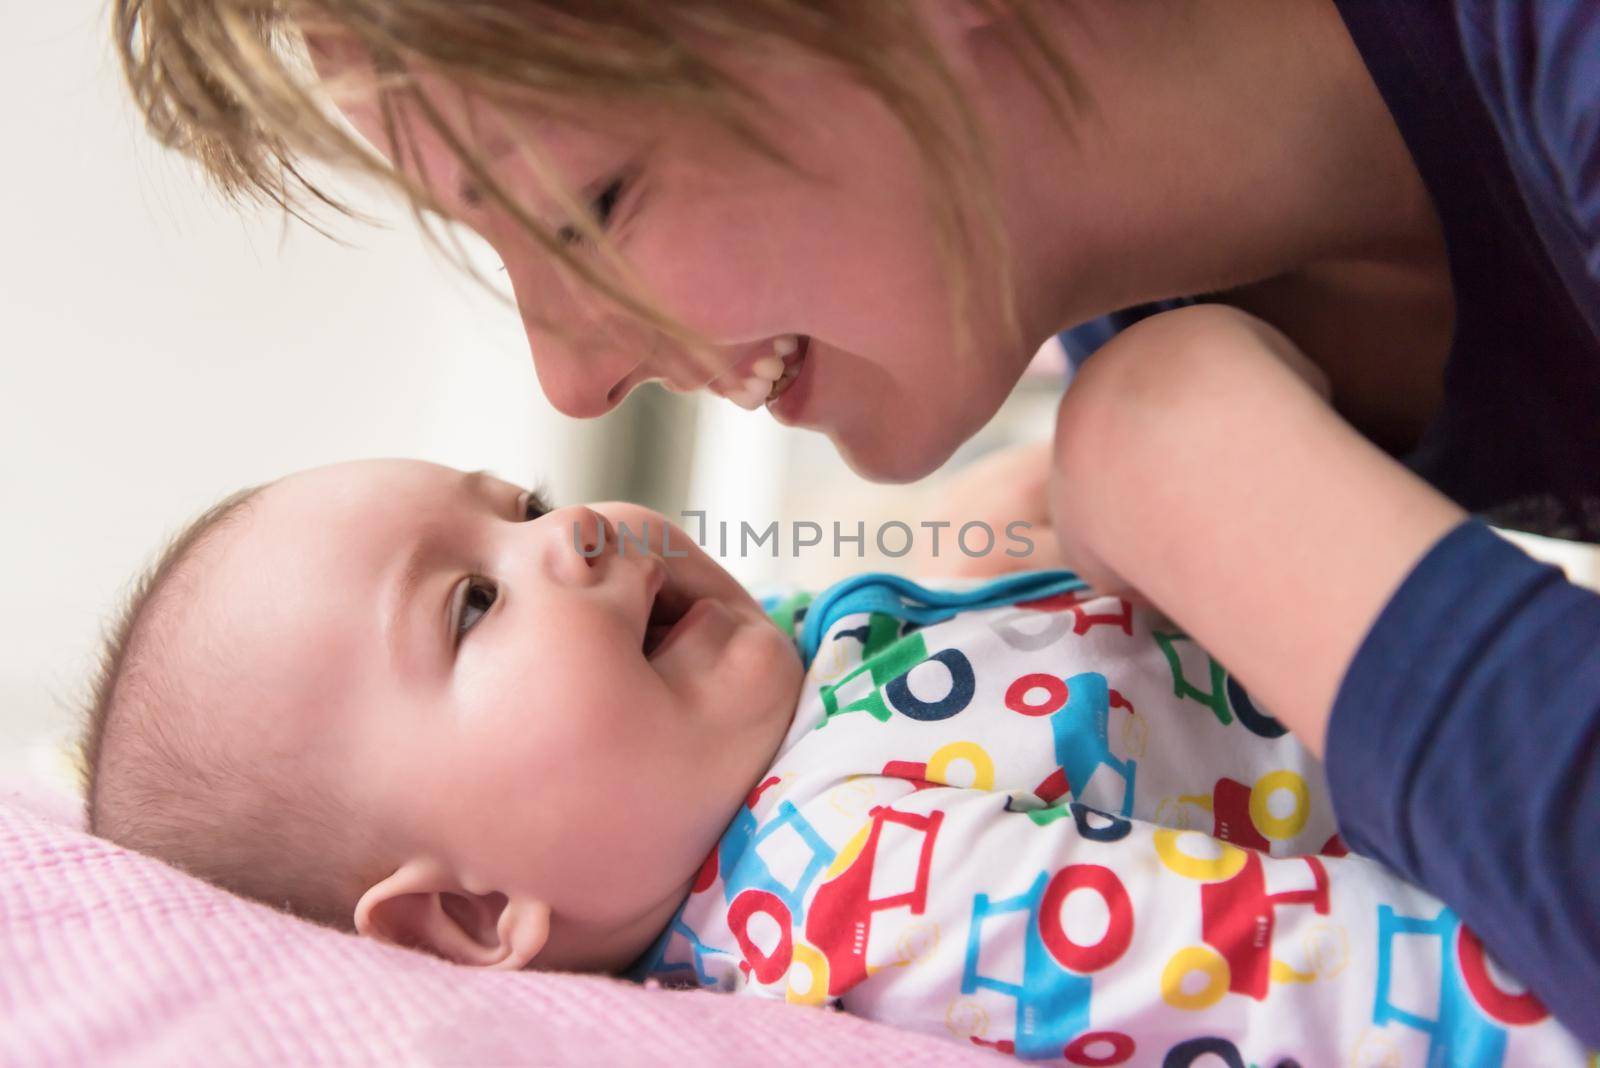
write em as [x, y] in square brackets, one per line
[493, 699]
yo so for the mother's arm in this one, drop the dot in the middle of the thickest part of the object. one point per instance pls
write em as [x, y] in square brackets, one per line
[1462, 680]
[1197, 464]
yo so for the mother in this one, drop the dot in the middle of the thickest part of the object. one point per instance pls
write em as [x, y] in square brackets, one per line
[868, 215]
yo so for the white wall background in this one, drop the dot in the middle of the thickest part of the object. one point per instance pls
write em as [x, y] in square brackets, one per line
[158, 350]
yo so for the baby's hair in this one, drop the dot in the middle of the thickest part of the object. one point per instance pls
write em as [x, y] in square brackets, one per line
[228, 83]
[156, 773]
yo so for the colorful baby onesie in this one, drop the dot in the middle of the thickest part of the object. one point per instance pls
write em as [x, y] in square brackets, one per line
[1027, 819]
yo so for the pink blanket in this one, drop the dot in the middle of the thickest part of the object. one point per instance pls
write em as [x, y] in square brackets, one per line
[108, 956]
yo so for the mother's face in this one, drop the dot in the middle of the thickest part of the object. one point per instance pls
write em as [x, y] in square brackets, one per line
[745, 252]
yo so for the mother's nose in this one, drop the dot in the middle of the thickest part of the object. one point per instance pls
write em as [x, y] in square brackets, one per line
[586, 376]
[582, 379]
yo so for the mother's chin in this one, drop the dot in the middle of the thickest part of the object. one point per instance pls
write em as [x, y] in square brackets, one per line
[903, 444]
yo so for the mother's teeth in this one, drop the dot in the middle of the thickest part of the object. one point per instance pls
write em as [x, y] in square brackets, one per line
[768, 375]
[791, 371]
[751, 393]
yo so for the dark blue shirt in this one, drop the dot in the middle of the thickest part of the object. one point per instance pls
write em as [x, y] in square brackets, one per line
[1464, 745]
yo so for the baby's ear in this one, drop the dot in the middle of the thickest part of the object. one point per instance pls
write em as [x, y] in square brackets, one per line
[424, 906]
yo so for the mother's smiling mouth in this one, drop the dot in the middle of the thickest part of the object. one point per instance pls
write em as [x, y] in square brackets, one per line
[761, 377]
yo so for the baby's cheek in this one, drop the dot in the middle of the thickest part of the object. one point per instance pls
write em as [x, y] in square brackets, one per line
[603, 734]
[769, 662]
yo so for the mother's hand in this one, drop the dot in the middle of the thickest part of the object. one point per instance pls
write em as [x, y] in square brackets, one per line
[1007, 486]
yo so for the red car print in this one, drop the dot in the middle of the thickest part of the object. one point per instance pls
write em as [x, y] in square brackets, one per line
[1238, 916]
[839, 921]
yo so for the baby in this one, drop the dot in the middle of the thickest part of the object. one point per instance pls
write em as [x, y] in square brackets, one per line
[389, 696]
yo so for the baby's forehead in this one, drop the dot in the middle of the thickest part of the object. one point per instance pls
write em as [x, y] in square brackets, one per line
[300, 529]
[317, 557]
[343, 514]
[290, 596]
[360, 484]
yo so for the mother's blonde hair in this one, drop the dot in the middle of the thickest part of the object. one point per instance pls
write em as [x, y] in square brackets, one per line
[227, 82]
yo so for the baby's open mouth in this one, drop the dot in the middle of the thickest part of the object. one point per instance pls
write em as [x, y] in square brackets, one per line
[666, 612]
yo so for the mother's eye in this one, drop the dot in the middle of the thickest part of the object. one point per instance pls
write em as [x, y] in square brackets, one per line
[601, 210]
[476, 597]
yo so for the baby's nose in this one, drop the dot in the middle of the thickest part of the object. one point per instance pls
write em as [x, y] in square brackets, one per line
[575, 544]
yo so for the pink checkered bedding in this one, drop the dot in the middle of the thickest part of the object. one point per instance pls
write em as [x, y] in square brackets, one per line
[110, 957]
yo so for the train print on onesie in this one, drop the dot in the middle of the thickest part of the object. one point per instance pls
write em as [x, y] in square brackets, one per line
[1033, 820]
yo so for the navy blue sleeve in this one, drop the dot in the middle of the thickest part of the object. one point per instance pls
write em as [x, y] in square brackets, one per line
[1537, 67]
[1464, 752]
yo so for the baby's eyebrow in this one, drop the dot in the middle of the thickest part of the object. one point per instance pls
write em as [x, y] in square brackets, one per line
[480, 482]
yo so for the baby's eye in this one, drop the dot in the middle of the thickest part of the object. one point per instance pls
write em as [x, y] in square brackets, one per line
[477, 598]
[602, 207]
[533, 506]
